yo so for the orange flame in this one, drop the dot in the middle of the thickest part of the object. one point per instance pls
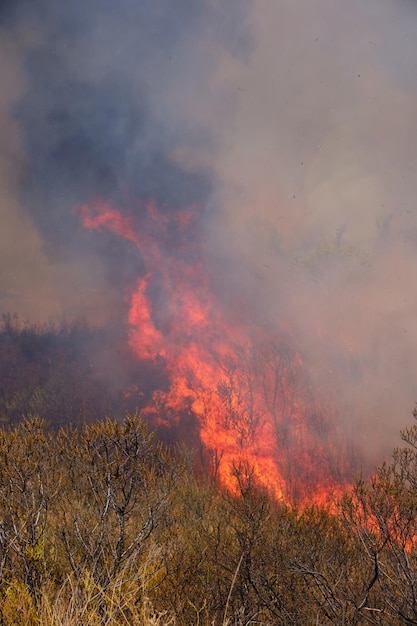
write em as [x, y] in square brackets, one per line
[246, 390]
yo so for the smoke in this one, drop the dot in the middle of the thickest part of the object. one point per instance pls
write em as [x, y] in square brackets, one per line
[320, 191]
[291, 126]
[85, 79]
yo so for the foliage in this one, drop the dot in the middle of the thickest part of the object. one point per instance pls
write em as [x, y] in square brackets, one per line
[105, 525]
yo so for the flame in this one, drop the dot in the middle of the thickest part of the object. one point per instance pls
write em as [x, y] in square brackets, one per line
[242, 383]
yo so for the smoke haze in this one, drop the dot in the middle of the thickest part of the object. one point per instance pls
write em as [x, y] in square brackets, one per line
[292, 126]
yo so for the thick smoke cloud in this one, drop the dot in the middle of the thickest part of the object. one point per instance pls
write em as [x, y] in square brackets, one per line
[322, 150]
[87, 78]
[292, 125]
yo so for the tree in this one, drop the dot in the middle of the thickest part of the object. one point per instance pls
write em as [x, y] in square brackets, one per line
[119, 481]
[30, 483]
[383, 514]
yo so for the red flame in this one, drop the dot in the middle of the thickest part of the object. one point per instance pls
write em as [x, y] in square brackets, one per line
[246, 388]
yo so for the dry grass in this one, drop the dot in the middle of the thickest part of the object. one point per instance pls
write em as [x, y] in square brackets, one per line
[125, 603]
[119, 607]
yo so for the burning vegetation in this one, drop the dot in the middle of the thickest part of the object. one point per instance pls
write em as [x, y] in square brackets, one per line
[225, 197]
[243, 385]
[104, 524]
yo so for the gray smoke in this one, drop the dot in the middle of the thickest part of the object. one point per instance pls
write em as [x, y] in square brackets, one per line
[320, 187]
[292, 126]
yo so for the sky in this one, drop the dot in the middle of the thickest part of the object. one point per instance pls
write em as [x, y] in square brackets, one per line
[291, 125]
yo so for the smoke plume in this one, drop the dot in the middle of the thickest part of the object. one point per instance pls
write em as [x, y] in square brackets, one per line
[290, 125]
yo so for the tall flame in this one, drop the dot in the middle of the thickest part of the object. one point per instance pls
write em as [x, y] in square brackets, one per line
[245, 386]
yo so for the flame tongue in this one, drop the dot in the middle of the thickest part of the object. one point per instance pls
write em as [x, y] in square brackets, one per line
[254, 413]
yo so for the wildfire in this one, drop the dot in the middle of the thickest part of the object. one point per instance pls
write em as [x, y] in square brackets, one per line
[244, 386]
